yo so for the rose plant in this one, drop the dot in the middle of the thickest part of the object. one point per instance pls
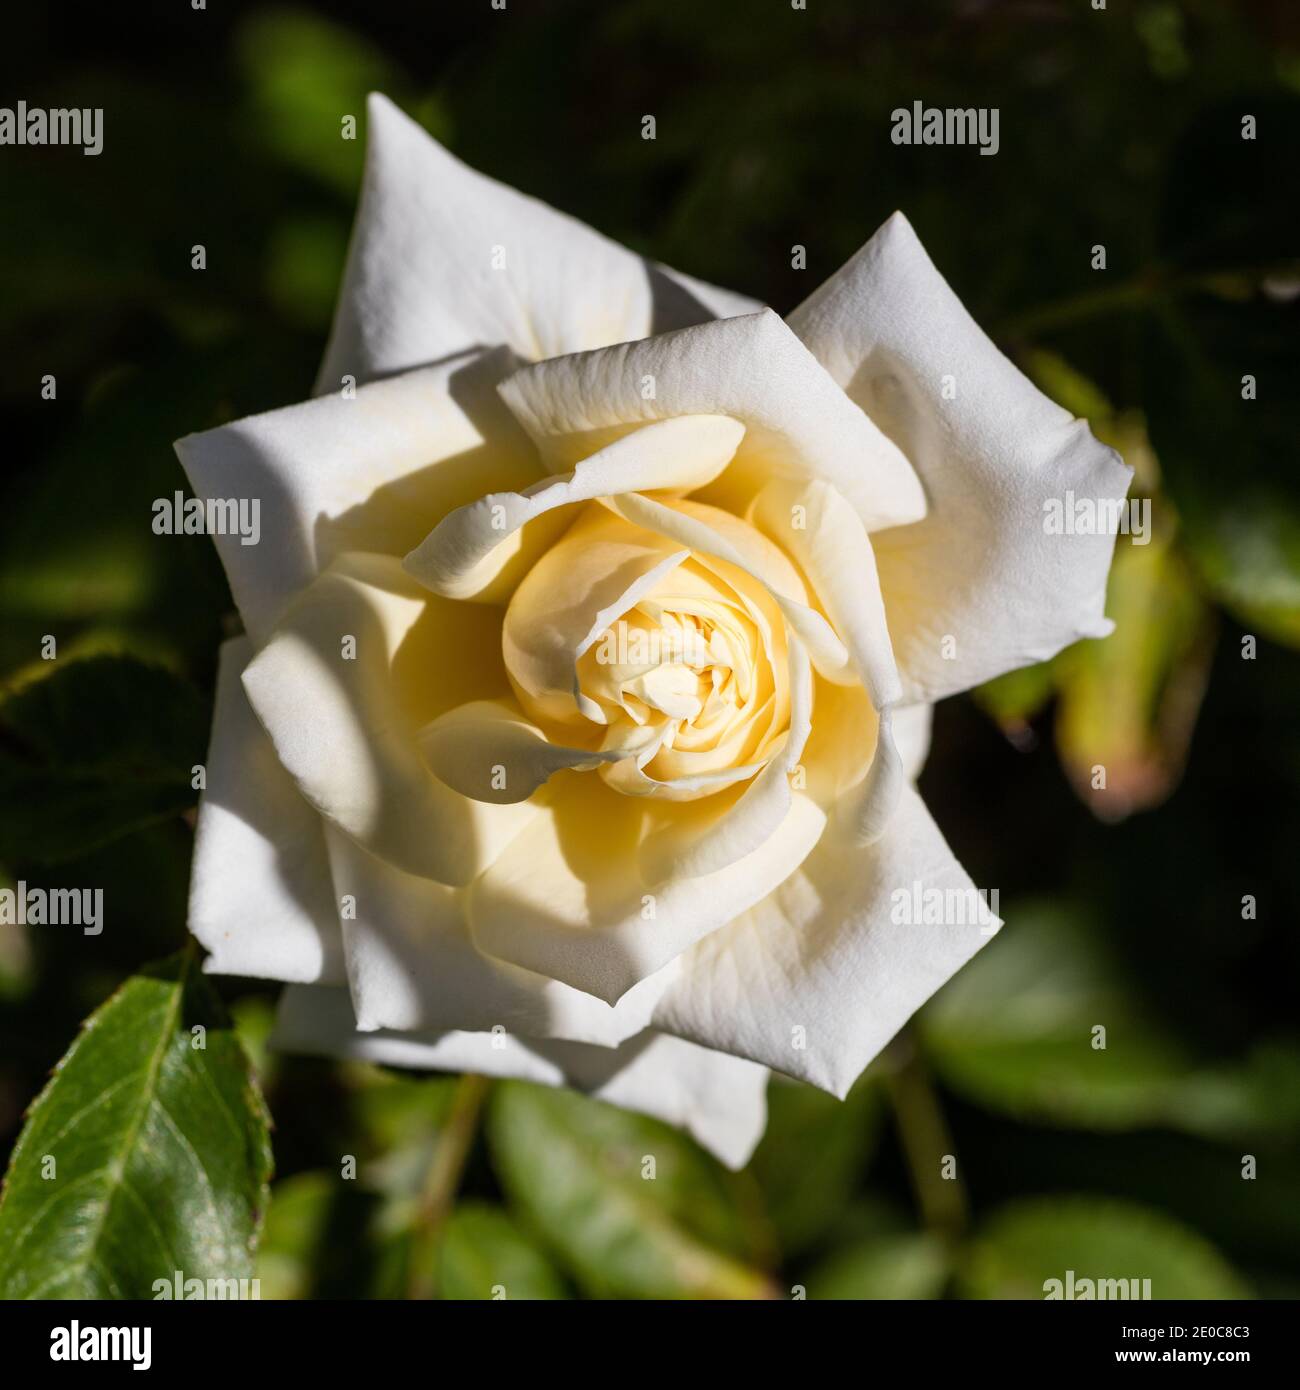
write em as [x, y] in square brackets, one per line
[590, 649]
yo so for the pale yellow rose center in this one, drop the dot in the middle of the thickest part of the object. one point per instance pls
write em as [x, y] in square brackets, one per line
[691, 677]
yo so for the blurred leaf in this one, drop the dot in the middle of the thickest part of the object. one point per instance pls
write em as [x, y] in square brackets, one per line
[306, 74]
[909, 1266]
[574, 1167]
[1013, 1030]
[254, 1018]
[296, 1222]
[15, 955]
[401, 1122]
[1015, 698]
[376, 1141]
[1027, 1243]
[1129, 703]
[304, 266]
[400, 1118]
[81, 558]
[159, 1149]
[321, 1241]
[483, 1250]
[1259, 1096]
[93, 750]
[811, 1157]
[1069, 388]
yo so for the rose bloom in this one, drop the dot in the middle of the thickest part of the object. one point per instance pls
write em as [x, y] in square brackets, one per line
[591, 644]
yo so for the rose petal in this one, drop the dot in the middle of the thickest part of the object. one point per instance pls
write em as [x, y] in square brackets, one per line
[261, 899]
[817, 978]
[412, 966]
[568, 897]
[373, 473]
[689, 524]
[346, 729]
[818, 529]
[443, 259]
[708, 531]
[582, 585]
[489, 751]
[461, 557]
[798, 423]
[823, 533]
[697, 849]
[912, 737]
[980, 568]
[720, 1101]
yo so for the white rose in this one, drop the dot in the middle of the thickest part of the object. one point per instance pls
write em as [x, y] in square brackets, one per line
[588, 663]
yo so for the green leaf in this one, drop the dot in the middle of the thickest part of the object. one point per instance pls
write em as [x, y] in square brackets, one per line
[1067, 386]
[1130, 703]
[93, 750]
[574, 1167]
[15, 955]
[905, 1266]
[296, 1224]
[306, 74]
[325, 1238]
[1013, 1030]
[400, 1120]
[484, 1255]
[145, 1154]
[1015, 698]
[812, 1156]
[304, 266]
[1028, 1243]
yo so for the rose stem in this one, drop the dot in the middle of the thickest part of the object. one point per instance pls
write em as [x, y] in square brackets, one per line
[925, 1138]
[442, 1182]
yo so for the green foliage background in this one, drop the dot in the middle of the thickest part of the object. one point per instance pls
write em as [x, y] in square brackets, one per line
[1120, 127]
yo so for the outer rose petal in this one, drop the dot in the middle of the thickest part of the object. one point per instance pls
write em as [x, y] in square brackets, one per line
[720, 1101]
[822, 953]
[426, 277]
[798, 424]
[346, 728]
[260, 894]
[980, 566]
[375, 473]
[912, 736]
[412, 966]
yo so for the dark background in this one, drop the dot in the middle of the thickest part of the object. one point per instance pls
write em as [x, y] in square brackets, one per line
[1119, 127]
